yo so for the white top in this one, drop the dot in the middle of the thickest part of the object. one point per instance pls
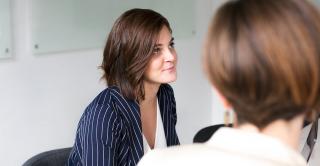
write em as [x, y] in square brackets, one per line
[228, 147]
[160, 138]
[315, 155]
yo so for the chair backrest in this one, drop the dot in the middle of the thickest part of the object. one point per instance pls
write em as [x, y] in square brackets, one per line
[205, 134]
[57, 157]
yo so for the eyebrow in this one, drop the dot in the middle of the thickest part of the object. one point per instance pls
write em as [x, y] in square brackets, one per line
[172, 39]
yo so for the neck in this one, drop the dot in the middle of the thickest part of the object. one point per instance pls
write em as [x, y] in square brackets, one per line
[287, 132]
[150, 92]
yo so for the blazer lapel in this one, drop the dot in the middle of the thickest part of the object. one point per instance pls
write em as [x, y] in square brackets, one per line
[165, 106]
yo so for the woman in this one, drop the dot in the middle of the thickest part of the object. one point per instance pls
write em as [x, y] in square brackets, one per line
[263, 57]
[137, 112]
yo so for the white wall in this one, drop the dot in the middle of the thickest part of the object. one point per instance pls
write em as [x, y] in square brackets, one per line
[43, 97]
[195, 105]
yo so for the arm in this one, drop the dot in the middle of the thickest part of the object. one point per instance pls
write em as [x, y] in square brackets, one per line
[100, 138]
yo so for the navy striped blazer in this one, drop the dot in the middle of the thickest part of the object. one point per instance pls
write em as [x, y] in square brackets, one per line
[110, 133]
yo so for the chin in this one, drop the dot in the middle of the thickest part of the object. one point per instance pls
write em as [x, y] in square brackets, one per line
[170, 79]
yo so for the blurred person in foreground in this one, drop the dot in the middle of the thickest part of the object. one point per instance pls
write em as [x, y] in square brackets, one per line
[263, 57]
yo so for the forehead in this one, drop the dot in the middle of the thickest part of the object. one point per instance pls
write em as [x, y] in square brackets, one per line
[164, 35]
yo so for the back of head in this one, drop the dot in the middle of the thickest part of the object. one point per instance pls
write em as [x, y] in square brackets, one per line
[264, 57]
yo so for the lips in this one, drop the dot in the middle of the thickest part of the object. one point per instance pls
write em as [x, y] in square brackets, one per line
[169, 68]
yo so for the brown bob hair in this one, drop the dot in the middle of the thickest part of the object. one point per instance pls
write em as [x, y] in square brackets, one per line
[264, 58]
[129, 49]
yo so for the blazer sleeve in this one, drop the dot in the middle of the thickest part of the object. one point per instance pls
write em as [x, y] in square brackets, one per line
[101, 138]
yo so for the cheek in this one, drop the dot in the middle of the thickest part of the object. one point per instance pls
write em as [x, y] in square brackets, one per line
[155, 65]
[154, 68]
[176, 59]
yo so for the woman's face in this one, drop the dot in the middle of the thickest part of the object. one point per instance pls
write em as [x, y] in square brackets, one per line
[162, 66]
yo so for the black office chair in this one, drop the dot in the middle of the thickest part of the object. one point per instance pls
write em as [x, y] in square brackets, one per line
[57, 157]
[205, 134]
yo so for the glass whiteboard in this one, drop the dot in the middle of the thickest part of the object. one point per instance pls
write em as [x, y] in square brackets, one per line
[62, 25]
[5, 29]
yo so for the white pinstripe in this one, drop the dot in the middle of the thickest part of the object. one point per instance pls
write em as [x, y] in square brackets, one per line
[110, 129]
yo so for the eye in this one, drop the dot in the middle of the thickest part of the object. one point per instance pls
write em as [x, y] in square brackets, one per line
[171, 45]
[156, 50]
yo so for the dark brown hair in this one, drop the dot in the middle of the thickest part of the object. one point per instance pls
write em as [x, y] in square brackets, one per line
[129, 48]
[264, 57]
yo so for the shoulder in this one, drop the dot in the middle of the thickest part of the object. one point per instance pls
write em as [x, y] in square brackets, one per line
[102, 115]
[106, 96]
[195, 154]
[102, 106]
[109, 97]
[205, 155]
